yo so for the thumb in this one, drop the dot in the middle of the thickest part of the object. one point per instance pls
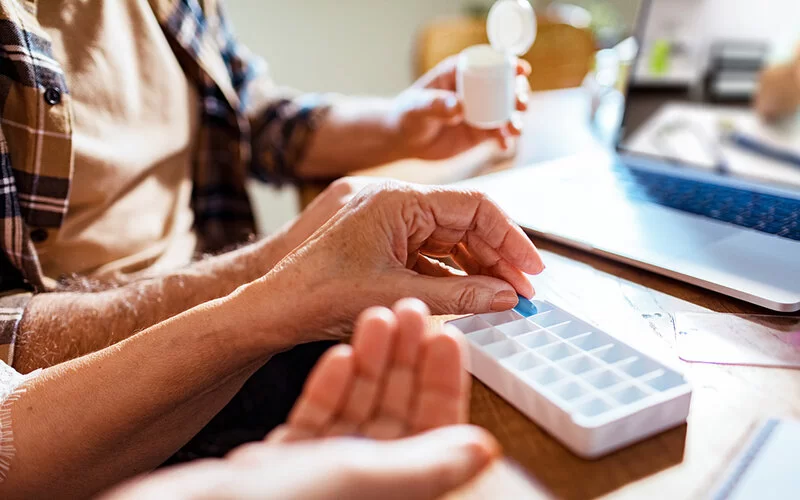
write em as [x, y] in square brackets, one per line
[460, 294]
[426, 466]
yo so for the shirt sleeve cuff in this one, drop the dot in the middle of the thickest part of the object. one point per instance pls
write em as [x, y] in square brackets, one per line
[12, 305]
[282, 133]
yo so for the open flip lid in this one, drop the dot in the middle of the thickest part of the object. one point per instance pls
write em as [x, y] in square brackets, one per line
[511, 26]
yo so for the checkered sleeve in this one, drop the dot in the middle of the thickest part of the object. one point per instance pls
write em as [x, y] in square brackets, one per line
[12, 305]
[282, 120]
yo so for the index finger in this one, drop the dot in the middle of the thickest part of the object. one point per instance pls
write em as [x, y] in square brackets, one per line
[470, 217]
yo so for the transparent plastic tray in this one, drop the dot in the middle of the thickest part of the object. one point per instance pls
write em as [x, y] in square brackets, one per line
[588, 389]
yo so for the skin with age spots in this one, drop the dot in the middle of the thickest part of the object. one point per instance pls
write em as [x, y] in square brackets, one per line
[375, 251]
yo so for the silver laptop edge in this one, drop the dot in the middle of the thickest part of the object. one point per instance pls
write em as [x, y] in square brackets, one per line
[579, 202]
[737, 278]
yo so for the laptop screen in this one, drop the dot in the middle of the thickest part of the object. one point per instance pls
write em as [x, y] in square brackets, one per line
[715, 88]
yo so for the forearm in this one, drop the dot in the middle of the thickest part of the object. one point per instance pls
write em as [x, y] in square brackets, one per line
[57, 327]
[357, 133]
[91, 422]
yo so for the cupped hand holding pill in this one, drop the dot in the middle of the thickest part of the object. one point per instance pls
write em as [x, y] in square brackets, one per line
[381, 247]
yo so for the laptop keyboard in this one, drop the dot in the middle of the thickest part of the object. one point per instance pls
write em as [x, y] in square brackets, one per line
[762, 212]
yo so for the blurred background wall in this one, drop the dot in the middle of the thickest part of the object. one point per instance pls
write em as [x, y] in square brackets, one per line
[353, 46]
[366, 46]
[683, 19]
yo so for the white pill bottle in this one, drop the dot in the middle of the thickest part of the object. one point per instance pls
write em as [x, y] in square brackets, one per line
[486, 74]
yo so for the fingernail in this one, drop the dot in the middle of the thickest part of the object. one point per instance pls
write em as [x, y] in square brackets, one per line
[504, 300]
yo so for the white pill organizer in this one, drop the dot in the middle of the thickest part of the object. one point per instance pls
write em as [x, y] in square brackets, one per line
[585, 387]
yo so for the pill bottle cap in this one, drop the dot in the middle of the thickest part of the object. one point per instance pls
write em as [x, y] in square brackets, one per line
[511, 26]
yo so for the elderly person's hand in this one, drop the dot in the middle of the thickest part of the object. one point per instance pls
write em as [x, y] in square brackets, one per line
[779, 90]
[431, 118]
[401, 387]
[425, 121]
[319, 211]
[381, 247]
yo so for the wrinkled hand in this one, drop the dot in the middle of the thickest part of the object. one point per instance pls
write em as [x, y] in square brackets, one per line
[381, 247]
[319, 211]
[430, 118]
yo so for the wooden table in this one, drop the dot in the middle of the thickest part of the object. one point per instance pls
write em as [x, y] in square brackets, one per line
[686, 462]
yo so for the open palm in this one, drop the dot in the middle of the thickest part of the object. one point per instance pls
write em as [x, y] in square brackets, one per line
[396, 380]
[400, 384]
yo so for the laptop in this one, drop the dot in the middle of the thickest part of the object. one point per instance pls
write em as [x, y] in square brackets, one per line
[697, 187]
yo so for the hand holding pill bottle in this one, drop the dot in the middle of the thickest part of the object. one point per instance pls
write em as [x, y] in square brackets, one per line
[486, 74]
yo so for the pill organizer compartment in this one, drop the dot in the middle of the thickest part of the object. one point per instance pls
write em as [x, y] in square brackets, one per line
[588, 389]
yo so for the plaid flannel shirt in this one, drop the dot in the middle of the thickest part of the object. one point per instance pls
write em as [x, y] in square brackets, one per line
[248, 126]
